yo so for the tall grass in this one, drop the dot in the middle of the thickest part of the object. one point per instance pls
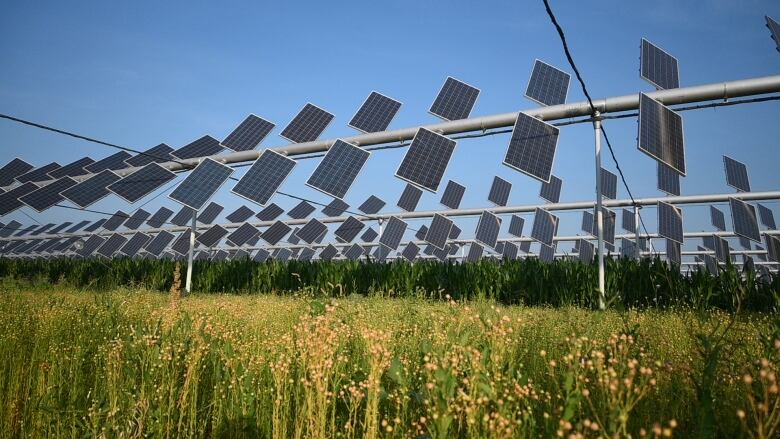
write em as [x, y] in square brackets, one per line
[630, 283]
[127, 364]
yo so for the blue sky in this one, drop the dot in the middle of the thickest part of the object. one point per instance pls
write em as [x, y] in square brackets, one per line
[141, 73]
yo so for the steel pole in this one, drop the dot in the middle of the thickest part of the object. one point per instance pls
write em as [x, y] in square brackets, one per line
[599, 216]
[190, 256]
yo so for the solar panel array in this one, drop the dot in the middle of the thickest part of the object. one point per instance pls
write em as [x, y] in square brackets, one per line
[439, 231]
[38, 174]
[49, 195]
[136, 219]
[240, 215]
[375, 114]
[372, 205]
[585, 251]
[488, 228]
[141, 182]
[767, 217]
[455, 100]
[544, 226]
[608, 184]
[499, 191]
[115, 220]
[156, 154]
[13, 169]
[453, 195]
[426, 159]
[73, 169]
[548, 85]
[629, 222]
[248, 134]
[159, 218]
[410, 252]
[532, 147]
[275, 233]
[210, 213]
[201, 184]
[717, 218]
[212, 236]
[409, 198]
[91, 190]
[516, 226]
[264, 177]
[311, 231]
[112, 162]
[349, 229]
[338, 169]
[301, 210]
[203, 147]
[393, 233]
[670, 222]
[736, 174]
[244, 234]
[744, 219]
[661, 133]
[307, 125]
[659, 67]
[9, 201]
[135, 244]
[551, 191]
[668, 180]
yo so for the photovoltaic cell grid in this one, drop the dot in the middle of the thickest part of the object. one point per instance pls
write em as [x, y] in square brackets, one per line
[201, 184]
[544, 226]
[141, 182]
[90, 191]
[372, 205]
[96, 225]
[475, 252]
[205, 146]
[158, 243]
[349, 229]
[588, 222]
[767, 217]
[670, 223]
[329, 253]
[9, 200]
[240, 215]
[262, 255]
[454, 232]
[510, 250]
[673, 253]
[722, 252]
[393, 233]
[744, 219]
[134, 244]
[410, 252]
[551, 191]
[608, 225]
[182, 244]
[338, 169]
[375, 114]
[221, 255]
[136, 219]
[112, 162]
[264, 177]
[111, 245]
[311, 231]
[772, 247]
[293, 238]
[243, 234]
[212, 236]
[532, 147]
[307, 125]
[453, 194]
[409, 198]
[711, 264]
[156, 154]
[210, 213]
[42, 229]
[73, 169]
[608, 184]
[629, 222]
[275, 233]
[38, 174]
[301, 210]
[353, 252]
[585, 251]
[421, 232]
[49, 195]
[548, 85]
[499, 191]
[159, 217]
[661, 133]
[546, 253]
[270, 213]
[90, 245]
[426, 159]
[455, 100]
[248, 134]
[516, 226]
[369, 235]
[736, 174]
[306, 254]
[499, 248]
[668, 180]
[183, 217]
[58, 228]
[335, 208]
[9, 228]
[718, 218]
[659, 67]
[487, 229]
[774, 29]
[115, 220]
[439, 231]
[13, 169]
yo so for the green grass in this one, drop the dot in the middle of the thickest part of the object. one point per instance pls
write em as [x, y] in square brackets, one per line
[130, 363]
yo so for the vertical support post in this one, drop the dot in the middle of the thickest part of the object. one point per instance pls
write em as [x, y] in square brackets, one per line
[188, 287]
[636, 232]
[598, 216]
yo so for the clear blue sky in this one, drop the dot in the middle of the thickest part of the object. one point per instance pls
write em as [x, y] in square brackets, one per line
[141, 73]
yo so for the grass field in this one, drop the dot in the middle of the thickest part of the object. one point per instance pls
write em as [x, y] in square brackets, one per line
[132, 363]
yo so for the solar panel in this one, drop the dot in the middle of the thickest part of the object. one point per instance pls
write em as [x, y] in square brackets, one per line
[49, 195]
[65, 245]
[455, 100]
[717, 218]
[264, 177]
[487, 229]
[220, 255]
[544, 226]
[661, 133]
[410, 252]
[205, 146]
[13, 169]
[454, 232]
[475, 252]
[608, 184]
[156, 154]
[546, 253]
[159, 217]
[722, 252]
[659, 68]
[767, 217]
[670, 223]
[158, 243]
[453, 194]
[253, 241]
[306, 254]
[335, 208]
[38, 174]
[421, 232]
[137, 185]
[774, 29]
[96, 225]
[349, 229]
[275, 233]
[111, 245]
[212, 236]
[668, 180]
[311, 231]
[243, 234]
[42, 229]
[73, 169]
[338, 169]
[711, 264]
[182, 244]
[9, 228]
[134, 244]
[201, 184]
[27, 230]
[310, 122]
[499, 191]
[532, 147]
[736, 174]
[248, 134]
[426, 159]
[439, 231]
[608, 222]
[115, 220]
[329, 253]
[745, 243]
[629, 222]
[112, 162]
[9, 201]
[270, 213]
[441, 253]
[301, 210]
[262, 255]
[92, 190]
[90, 245]
[772, 247]
[240, 215]
[409, 198]
[516, 226]
[548, 85]
[510, 250]
[372, 205]
[136, 219]
[369, 235]
[585, 250]
[744, 220]
[375, 114]
[353, 252]
[293, 238]
[551, 191]
[210, 213]
[393, 233]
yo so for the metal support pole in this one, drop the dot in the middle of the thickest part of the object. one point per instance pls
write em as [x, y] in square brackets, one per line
[638, 248]
[599, 216]
[192, 252]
